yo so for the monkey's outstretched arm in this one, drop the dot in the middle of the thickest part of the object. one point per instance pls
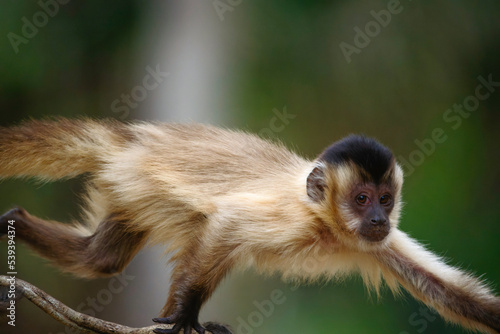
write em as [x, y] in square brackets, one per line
[457, 296]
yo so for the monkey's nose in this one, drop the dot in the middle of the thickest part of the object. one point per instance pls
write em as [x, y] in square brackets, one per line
[377, 221]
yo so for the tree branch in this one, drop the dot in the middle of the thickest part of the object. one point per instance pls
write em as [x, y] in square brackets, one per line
[77, 320]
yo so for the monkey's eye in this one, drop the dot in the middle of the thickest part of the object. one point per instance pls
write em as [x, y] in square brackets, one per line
[362, 199]
[385, 199]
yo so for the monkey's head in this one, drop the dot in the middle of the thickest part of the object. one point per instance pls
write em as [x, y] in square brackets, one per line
[355, 188]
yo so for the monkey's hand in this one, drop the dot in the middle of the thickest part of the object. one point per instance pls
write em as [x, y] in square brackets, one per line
[212, 327]
[182, 320]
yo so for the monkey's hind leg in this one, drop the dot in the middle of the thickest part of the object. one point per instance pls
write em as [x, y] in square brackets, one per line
[106, 252]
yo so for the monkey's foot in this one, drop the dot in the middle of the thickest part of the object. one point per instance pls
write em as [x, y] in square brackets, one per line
[13, 214]
[186, 323]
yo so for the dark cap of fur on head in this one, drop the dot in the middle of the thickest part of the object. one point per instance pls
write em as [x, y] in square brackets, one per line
[374, 158]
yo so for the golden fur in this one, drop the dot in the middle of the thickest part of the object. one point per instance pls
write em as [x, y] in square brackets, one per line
[220, 199]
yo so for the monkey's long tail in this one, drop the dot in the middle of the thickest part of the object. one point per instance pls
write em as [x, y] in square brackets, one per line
[455, 295]
[55, 149]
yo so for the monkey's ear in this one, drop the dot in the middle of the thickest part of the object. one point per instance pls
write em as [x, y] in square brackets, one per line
[316, 184]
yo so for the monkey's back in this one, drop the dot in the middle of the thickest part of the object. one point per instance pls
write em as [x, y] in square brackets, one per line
[188, 167]
[206, 155]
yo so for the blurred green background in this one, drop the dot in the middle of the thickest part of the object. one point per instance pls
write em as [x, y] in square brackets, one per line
[245, 64]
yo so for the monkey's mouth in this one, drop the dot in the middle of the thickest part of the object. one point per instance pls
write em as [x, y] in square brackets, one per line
[374, 233]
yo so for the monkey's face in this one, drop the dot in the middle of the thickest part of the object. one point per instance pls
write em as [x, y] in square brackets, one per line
[371, 205]
[355, 187]
[359, 210]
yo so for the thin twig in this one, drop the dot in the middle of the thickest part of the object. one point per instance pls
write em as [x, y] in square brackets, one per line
[68, 316]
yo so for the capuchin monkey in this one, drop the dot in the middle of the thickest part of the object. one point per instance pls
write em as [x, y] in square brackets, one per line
[222, 199]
